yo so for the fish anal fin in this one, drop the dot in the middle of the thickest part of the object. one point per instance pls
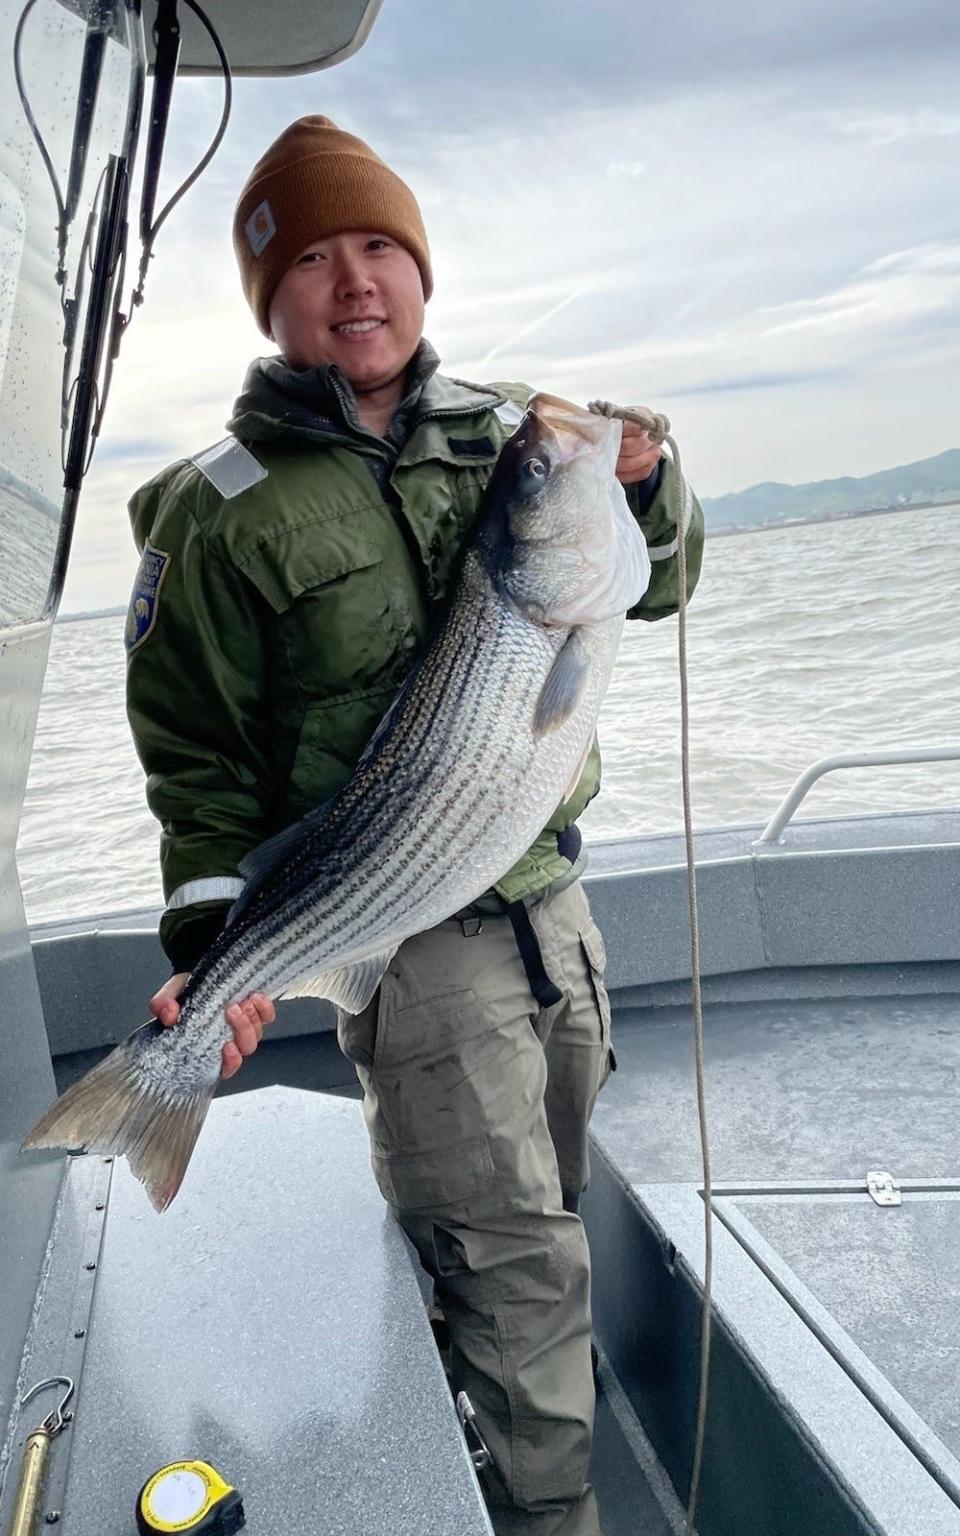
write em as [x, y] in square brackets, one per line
[563, 686]
[349, 986]
[121, 1110]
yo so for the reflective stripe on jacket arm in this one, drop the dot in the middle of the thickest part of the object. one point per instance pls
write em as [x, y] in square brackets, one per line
[659, 524]
[197, 692]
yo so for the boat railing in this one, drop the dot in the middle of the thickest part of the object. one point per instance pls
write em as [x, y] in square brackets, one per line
[772, 832]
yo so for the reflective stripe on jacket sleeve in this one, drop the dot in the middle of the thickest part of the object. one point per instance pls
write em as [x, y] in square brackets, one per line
[215, 888]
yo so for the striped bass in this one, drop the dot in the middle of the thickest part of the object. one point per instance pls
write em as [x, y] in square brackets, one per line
[489, 733]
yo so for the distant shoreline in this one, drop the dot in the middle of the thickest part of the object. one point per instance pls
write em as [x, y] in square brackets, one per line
[712, 533]
[825, 517]
[94, 613]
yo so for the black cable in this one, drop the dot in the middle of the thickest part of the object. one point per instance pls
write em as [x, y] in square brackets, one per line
[82, 426]
[38, 136]
[201, 165]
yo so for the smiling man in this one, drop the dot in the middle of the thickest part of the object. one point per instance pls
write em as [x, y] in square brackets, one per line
[376, 283]
[290, 577]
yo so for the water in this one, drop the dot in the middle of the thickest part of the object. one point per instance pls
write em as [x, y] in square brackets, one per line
[28, 543]
[802, 642]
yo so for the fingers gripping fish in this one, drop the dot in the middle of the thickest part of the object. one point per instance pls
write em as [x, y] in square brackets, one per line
[489, 733]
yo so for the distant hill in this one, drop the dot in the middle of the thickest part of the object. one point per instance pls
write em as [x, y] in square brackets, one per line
[929, 481]
[92, 613]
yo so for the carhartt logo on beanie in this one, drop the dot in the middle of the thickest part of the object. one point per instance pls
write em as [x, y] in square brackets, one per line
[315, 181]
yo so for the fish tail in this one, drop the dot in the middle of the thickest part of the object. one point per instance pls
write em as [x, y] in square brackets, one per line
[120, 1109]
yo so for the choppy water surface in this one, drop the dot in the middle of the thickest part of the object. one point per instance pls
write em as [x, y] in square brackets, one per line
[803, 641]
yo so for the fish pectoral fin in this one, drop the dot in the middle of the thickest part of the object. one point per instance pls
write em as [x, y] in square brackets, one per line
[564, 684]
[261, 862]
[351, 986]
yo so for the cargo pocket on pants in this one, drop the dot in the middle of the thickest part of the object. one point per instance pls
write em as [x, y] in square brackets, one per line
[596, 955]
[426, 1181]
[430, 1143]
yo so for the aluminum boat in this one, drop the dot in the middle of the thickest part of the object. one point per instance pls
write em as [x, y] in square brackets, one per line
[273, 1321]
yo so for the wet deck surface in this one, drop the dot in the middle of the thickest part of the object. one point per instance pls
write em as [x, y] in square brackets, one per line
[269, 1322]
[804, 1098]
[795, 1091]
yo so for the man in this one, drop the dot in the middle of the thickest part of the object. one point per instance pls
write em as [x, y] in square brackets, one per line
[290, 578]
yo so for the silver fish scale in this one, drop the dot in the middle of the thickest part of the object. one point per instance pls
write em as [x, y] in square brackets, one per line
[452, 793]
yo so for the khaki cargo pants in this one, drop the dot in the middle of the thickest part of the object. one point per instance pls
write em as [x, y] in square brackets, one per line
[477, 1102]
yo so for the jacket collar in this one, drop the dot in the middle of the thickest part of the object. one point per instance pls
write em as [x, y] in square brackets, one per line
[318, 404]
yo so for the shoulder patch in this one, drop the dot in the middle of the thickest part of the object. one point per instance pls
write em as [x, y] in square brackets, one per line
[229, 467]
[142, 613]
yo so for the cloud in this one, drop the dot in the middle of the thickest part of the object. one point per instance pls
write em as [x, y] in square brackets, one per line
[881, 128]
[131, 449]
[676, 211]
[753, 381]
[496, 60]
[937, 256]
[525, 330]
[891, 291]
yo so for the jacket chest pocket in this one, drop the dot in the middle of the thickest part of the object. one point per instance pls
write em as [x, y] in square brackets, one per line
[440, 502]
[341, 626]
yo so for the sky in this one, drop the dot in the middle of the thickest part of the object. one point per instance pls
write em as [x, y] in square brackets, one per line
[746, 216]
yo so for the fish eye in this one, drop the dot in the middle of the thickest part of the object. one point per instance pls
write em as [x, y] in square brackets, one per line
[533, 475]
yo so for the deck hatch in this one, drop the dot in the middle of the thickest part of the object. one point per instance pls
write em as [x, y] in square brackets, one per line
[880, 1288]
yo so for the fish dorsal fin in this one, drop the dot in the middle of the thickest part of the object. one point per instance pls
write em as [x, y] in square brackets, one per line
[564, 684]
[261, 862]
[351, 986]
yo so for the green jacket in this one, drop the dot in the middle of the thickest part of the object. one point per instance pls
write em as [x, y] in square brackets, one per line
[289, 579]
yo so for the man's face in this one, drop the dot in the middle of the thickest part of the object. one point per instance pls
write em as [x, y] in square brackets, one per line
[355, 300]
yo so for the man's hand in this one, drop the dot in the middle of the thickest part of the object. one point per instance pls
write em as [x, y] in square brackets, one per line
[246, 1020]
[638, 456]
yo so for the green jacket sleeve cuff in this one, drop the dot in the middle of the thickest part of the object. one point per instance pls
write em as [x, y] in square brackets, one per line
[187, 935]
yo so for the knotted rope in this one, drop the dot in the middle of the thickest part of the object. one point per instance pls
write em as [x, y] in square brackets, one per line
[658, 428]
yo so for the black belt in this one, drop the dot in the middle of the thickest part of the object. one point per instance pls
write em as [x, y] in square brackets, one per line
[545, 991]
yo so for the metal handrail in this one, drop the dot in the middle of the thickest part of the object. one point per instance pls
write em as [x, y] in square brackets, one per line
[771, 832]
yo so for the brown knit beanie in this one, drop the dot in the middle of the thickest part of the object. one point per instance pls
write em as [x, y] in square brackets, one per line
[314, 181]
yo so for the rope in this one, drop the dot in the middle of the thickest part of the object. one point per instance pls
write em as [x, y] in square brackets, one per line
[658, 428]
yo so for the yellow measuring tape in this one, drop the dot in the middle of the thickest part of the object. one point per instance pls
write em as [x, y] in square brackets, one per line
[189, 1496]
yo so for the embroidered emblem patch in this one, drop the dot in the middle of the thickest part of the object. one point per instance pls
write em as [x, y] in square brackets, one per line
[260, 228]
[142, 613]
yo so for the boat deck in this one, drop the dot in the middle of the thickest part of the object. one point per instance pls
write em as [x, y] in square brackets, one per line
[835, 1310]
[270, 1322]
[832, 987]
[799, 1090]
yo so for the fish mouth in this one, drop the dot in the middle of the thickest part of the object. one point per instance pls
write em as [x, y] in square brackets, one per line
[573, 429]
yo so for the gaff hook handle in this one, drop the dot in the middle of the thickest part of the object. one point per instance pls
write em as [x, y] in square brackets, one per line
[26, 1505]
